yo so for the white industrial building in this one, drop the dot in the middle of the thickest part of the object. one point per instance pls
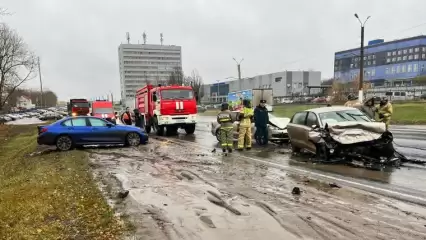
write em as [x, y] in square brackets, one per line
[284, 84]
[140, 64]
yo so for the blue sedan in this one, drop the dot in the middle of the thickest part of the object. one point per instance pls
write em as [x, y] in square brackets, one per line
[72, 132]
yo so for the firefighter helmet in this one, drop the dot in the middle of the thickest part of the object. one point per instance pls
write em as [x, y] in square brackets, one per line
[224, 106]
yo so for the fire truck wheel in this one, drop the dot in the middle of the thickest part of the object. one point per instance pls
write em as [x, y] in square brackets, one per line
[158, 129]
[190, 128]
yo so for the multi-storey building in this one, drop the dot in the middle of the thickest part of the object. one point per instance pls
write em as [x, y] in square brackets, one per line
[393, 63]
[140, 64]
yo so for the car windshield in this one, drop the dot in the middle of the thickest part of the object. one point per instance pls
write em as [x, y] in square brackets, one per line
[80, 104]
[343, 116]
[103, 111]
[177, 94]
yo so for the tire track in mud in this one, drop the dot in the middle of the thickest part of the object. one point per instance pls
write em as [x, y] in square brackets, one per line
[397, 192]
[326, 225]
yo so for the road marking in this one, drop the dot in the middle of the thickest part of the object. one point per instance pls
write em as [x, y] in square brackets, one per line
[295, 169]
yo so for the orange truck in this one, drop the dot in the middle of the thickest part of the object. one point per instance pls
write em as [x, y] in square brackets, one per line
[167, 108]
[103, 109]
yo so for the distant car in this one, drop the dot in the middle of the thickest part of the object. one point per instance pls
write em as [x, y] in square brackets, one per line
[50, 116]
[72, 132]
[277, 128]
[201, 108]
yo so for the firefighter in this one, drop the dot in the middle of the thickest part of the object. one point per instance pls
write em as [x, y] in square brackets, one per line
[138, 120]
[244, 135]
[261, 120]
[126, 117]
[369, 108]
[385, 111]
[226, 128]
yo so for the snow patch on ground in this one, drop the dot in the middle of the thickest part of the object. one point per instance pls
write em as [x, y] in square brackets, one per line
[26, 121]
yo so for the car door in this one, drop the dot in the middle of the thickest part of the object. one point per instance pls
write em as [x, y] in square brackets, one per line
[311, 122]
[78, 130]
[297, 129]
[103, 132]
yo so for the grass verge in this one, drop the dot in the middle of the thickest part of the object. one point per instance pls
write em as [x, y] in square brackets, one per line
[404, 113]
[51, 195]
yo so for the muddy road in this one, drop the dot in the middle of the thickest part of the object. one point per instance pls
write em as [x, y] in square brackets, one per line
[179, 189]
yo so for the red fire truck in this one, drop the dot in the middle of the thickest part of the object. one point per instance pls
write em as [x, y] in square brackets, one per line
[103, 109]
[78, 107]
[167, 107]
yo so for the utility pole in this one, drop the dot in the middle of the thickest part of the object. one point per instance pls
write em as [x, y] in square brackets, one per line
[41, 82]
[239, 71]
[361, 65]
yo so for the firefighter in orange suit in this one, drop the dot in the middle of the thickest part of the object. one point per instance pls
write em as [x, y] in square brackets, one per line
[244, 135]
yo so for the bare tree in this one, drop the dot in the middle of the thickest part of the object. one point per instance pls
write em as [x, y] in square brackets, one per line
[17, 63]
[176, 77]
[196, 82]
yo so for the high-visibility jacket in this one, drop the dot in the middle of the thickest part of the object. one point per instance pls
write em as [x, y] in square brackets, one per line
[224, 119]
[247, 114]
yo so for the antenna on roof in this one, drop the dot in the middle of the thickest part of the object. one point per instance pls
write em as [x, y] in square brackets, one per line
[128, 37]
[144, 37]
[161, 38]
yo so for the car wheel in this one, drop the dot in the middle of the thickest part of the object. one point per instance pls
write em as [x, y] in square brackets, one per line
[190, 129]
[133, 139]
[64, 143]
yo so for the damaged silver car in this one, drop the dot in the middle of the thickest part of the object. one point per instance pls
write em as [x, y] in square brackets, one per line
[342, 134]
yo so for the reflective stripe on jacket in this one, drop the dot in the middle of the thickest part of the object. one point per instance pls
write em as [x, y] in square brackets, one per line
[224, 119]
[247, 114]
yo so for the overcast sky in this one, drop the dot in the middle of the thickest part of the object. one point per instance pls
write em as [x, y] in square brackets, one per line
[77, 40]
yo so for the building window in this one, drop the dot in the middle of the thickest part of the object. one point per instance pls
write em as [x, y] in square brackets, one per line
[374, 62]
[423, 68]
[416, 56]
[368, 63]
[409, 68]
[394, 53]
[424, 55]
[369, 57]
[410, 50]
[365, 58]
[415, 67]
[398, 69]
[373, 72]
[410, 57]
[356, 65]
[417, 49]
[399, 52]
[388, 60]
[389, 54]
[403, 68]
[405, 51]
[278, 79]
[399, 59]
[374, 56]
[424, 49]
[393, 70]
[352, 65]
[387, 71]
[393, 59]
[404, 58]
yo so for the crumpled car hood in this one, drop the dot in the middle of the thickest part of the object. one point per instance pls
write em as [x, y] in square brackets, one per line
[279, 122]
[353, 132]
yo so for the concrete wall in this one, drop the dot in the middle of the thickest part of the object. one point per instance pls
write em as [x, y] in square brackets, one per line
[283, 83]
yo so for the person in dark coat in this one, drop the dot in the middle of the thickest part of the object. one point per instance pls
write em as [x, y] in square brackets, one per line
[261, 120]
[138, 122]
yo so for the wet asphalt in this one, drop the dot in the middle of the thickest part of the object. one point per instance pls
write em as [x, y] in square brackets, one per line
[405, 183]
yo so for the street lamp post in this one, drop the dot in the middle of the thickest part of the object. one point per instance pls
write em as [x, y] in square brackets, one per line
[239, 70]
[361, 66]
[217, 94]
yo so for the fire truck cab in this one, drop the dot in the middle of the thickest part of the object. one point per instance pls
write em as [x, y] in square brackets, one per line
[103, 109]
[167, 108]
[78, 107]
